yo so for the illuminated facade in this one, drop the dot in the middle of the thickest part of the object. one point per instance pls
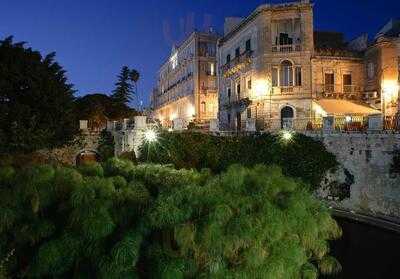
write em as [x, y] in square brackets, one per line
[275, 71]
[187, 83]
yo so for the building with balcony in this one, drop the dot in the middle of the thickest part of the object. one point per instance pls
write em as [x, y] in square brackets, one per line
[187, 84]
[276, 72]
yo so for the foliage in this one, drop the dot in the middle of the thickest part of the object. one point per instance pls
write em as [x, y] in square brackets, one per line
[106, 145]
[302, 157]
[395, 167]
[36, 101]
[118, 220]
[100, 108]
[123, 92]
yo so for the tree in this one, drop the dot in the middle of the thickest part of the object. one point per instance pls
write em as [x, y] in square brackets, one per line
[123, 91]
[101, 107]
[118, 220]
[36, 100]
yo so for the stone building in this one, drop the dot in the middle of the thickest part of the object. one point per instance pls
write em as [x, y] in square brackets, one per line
[187, 83]
[276, 72]
[382, 70]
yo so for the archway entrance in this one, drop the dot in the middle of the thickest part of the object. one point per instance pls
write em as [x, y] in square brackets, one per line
[287, 115]
[87, 156]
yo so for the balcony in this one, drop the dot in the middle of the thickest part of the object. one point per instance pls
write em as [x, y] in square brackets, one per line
[338, 91]
[237, 64]
[286, 48]
[287, 90]
[208, 88]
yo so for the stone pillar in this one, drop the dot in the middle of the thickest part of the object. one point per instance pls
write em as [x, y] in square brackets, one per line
[140, 122]
[250, 125]
[125, 124]
[214, 125]
[328, 124]
[83, 124]
[110, 126]
[375, 122]
[178, 124]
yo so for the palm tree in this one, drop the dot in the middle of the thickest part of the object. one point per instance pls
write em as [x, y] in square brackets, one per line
[134, 77]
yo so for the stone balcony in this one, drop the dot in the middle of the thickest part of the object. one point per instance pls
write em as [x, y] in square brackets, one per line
[237, 64]
[286, 48]
[338, 91]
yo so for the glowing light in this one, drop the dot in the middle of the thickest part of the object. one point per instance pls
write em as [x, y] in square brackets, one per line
[261, 88]
[173, 116]
[348, 119]
[191, 111]
[174, 60]
[287, 135]
[170, 130]
[390, 89]
[319, 111]
[150, 136]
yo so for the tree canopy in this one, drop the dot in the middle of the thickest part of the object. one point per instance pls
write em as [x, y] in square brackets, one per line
[36, 100]
[118, 220]
[124, 87]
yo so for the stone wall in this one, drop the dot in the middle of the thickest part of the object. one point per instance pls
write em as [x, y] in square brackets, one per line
[363, 183]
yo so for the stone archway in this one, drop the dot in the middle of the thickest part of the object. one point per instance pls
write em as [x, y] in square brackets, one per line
[287, 115]
[87, 156]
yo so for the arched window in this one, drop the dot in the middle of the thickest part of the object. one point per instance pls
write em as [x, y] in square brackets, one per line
[286, 74]
[287, 115]
[203, 107]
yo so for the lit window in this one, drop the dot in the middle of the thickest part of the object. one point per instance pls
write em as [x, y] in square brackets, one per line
[274, 77]
[203, 107]
[249, 83]
[174, 60]
[212, 69]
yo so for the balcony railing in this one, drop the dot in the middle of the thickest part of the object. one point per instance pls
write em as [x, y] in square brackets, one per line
[208, 88]
[287, 90]
[237, 63]
[338, 91]
[286, 48]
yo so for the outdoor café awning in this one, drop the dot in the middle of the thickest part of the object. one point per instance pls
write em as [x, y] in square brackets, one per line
[342, 108]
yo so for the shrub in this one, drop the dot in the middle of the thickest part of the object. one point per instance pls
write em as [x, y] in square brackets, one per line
[302, 158]
[155, 221]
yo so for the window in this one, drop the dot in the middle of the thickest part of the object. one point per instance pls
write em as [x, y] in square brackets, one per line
[286, 74]
[228, 58]
[249, 113]
[347, 83]
[371, 70]
[238, 90]
[248, 45]
[203, 107]
[212, 69]
[347, 79]
[229, 118]
[329, 78]
[274, 77]
[298, 76]
[249, 83]
[237, 52]
[174, 60]
[229, 94]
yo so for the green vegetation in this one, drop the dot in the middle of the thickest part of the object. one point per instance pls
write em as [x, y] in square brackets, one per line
[124, 88]
[118, 220]
[36, 101]
[301, 157]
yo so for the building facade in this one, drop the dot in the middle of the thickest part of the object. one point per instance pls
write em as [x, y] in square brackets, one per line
[276, 72]
[187, 83]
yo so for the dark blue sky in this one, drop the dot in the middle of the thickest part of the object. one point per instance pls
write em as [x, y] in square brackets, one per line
[94, 38]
